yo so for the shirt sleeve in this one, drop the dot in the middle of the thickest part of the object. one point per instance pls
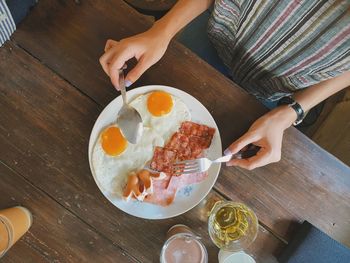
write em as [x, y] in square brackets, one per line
[7, 25]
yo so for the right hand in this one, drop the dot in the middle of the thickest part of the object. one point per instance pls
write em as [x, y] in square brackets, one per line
[147, 48]
[267, 133]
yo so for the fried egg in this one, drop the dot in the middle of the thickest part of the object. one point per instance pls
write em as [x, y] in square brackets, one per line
[113, 158]
[112, 141]
[162, 112]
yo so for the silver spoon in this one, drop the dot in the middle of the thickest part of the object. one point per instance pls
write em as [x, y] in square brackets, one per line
[128, 120]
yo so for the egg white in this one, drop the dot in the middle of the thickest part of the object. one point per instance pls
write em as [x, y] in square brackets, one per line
[111, 171]
[165, 125]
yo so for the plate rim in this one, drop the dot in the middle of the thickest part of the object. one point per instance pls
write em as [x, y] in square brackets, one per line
[135, 90]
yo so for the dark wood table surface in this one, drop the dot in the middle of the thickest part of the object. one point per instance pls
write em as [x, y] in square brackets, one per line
[52, 89]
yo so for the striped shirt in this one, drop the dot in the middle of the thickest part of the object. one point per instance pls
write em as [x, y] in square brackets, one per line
[7, 25]
[275, 47]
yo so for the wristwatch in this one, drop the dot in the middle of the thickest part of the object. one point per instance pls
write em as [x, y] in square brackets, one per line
[295, 106]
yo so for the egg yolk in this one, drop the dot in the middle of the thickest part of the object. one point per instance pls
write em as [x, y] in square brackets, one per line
[159, 103]
[113, 142]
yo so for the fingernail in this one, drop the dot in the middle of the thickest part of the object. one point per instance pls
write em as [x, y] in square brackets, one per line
[128, 83]
[227, 152]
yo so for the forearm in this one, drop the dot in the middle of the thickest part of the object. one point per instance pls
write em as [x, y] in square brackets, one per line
[310, 97]
[179, 16]
[315, 94]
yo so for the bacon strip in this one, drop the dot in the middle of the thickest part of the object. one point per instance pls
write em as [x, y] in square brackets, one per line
[163, 160]
[186, 144]
[180, 143]
[191, 128]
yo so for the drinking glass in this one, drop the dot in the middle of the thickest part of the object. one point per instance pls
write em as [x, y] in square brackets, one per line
[14, 223]
[5, 237]
[232, 226]
[182, 245]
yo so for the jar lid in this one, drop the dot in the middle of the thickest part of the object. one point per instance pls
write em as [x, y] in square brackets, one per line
[234, 257]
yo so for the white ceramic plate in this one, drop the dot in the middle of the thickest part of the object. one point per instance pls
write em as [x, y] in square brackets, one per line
[189, 196]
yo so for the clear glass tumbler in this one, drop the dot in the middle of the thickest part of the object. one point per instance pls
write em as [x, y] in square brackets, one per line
[182, 245]
[232, 226]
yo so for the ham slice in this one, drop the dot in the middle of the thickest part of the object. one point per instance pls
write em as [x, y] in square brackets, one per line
[162, 194]
[186, 179]
[164, 191]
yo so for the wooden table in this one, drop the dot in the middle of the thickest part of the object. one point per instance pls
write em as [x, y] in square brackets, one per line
[52, 89]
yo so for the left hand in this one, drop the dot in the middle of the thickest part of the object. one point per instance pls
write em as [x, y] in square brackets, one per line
[266, 132]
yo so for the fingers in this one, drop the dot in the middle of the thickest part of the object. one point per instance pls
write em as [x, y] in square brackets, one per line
[109, 44]
[117, 54]
[263, 157]
[107, 56]
[141, 66]
[116, 64]
[268, 152]
[104, 61]
[243, 141]
[114, 59]
[260, 159]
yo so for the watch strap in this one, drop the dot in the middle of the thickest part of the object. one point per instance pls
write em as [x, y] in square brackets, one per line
[295, 106]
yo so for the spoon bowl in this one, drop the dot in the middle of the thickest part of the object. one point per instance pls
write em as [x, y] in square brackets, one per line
[129, 119]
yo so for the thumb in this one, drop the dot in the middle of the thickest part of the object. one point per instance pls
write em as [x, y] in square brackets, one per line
[137, 71]
[243, 141]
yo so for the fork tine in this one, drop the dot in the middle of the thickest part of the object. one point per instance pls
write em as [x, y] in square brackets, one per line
[186, 167]
[182, 166]
[186, 162]
[186, 172]
[177, 167]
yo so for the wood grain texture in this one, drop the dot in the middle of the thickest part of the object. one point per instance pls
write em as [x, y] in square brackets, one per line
[307, 184]
[333, 134]
[326, 109]
[304, 187]
[64, 23]
[56, 235]
[44, 131]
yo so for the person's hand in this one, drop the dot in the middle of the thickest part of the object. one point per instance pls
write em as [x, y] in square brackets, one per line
[147, 48]
[267, 133]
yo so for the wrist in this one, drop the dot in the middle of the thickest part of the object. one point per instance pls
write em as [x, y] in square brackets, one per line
[163, 30]
[293, 104]
[285, 115]
[298, 97]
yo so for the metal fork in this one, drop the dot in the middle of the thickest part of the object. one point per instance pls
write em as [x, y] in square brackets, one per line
[203, 164]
